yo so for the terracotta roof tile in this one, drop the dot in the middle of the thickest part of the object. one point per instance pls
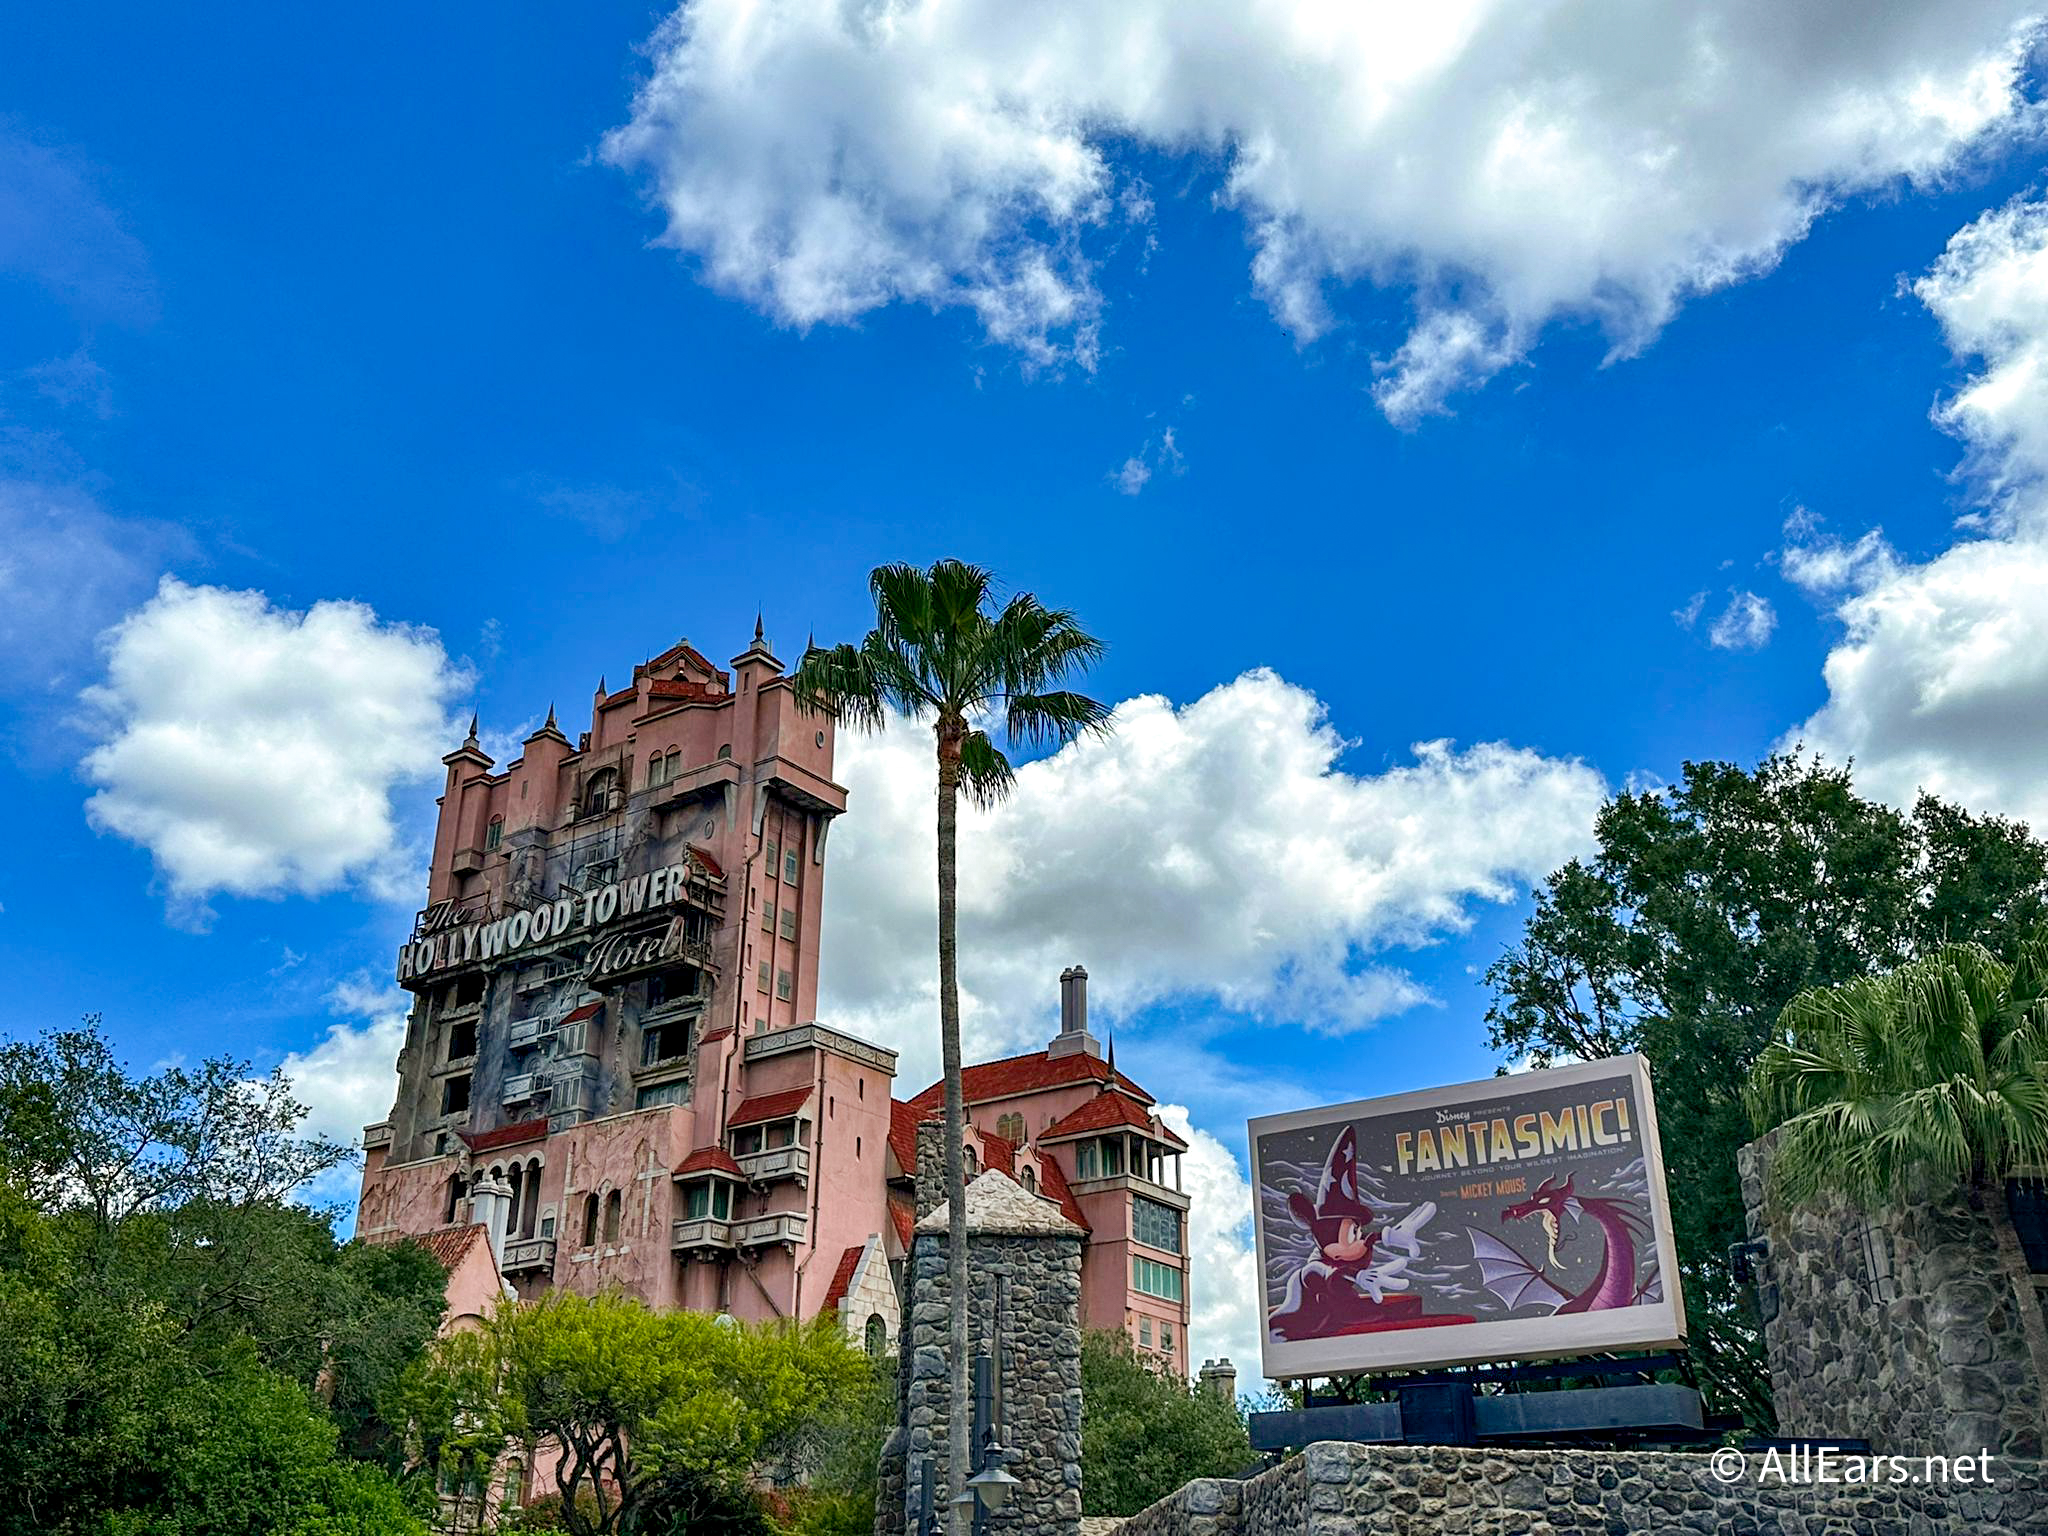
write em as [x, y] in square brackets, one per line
[710, 1160]
[903, 1123]
[587, 1011]
[904, 1215]
[704, 857]
[505, 1135]
[1053, 1182]
[770, 1106]
[842, 1277]
[1106, 1111]
[1027, 1074]
[719, 1033]
[997, 1153]
[448, 1245]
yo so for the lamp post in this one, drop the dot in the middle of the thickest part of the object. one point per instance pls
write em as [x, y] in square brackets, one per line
[991, 1484]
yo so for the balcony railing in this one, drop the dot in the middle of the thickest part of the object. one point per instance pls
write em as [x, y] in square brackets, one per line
[525, 1032]
[777, 1163]
[529, 1253]
[524, 1086]
[702, 1232]
[783, 1227]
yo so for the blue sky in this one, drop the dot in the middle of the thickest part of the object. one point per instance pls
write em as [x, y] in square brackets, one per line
[375, 313]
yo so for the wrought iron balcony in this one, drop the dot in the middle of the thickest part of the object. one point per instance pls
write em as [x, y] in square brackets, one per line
[702, 1232]
[762, 1231]
[529, 1253]
[525, 1032]
[777, 1163]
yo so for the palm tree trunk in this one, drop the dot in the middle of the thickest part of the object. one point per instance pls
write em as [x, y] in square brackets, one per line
[958, 1452]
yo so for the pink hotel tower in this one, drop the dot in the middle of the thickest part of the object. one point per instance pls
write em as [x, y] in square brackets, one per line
[613, 1065]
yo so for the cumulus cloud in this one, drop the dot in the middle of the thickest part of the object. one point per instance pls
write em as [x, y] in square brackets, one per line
[253, 750]
[350, 1079]
[1744, 625]
[1218, 852]
[1503, 161]
[1940, 678]
[1161, 453]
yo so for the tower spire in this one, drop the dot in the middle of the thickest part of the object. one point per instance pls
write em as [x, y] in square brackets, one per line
[474, 718]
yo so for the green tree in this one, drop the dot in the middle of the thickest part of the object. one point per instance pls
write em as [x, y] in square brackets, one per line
[652, 1413]
[1145, 1432]
[942, 650]
[1707, 908]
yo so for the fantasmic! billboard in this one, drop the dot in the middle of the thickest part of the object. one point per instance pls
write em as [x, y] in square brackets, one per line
[1514, 1218]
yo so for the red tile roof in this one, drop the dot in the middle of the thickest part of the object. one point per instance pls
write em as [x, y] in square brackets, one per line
[1107, 1110]
[996, 1152]
[1052, 1181]
[505, 1135]
[903, 1123]
[714, 1034]
[683, 688]
[842, 1277]
[1027, 1074]
[904, 1214]
[587, 1011]
[710, 1160]
[704, 857]
[448, 1245]
[770, 1106]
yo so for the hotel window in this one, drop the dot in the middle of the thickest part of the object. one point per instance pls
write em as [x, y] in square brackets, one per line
[601, 793]
[1011, 1129]
[590, 1219]
[612, 1205]
[725, 752]
[665, 1043]
[677, 984]
[768, 914]
[708, 1197]
[1030, 1180]
[494, 832]
[672, 764]
[1112, 1156]
[654, 769]
[789, 866]
[783, 986]
[789, 922]
[1166, 1337]
[761, 982]
[746, 1141]
[1155, 1225]
[769, 854]
[1144, 1333]
[666, 1093]
[461, 1039]
[1084, 1160]
[455, 1095]
[1155, 1279]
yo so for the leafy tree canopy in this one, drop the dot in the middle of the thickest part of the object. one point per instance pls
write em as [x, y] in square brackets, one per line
[1708, 907]
[1145, 1432]
[645, 1407]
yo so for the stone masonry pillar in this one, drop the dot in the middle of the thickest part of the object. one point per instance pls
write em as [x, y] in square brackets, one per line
[1024, 1254]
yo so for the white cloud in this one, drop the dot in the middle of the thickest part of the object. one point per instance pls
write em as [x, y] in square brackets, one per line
[1158, 453]
[1689, 615]
[350, 1079]
[1131, 477]
[1218, 852]
[1940, 680]
[1744, 625]
[66, 568]
[1226, 1291]
[254, 750]
[1504, 161]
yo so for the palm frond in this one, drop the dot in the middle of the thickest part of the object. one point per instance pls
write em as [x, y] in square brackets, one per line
[1060, 716]
[985, 774]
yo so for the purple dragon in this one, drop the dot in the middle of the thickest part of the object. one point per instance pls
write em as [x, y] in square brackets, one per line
[1519, 1283]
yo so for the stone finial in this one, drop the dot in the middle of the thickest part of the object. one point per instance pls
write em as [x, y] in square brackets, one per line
[475, 719]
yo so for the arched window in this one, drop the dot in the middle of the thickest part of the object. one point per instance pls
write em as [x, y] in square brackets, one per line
[517, 1181]
[970, 1161]
[1030, 1180]
[1011, 1129]
[877, 1336]
[654, 773]
[611, 1217]
[590, 1218]
[601, 793]
[531, 1214]
[494, 832]
[672, 764]
[455, 1191]
[725, 751]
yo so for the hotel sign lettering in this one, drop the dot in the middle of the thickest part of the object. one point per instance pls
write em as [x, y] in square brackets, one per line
[464, 944]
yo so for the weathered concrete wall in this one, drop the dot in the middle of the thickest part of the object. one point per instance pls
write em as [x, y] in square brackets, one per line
[1363, 1490]
[1900, 1328]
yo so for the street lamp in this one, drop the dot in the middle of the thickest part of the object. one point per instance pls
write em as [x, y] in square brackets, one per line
[992, 1484]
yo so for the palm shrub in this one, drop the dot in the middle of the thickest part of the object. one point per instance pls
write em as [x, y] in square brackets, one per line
[944, 650]
[1924, 1081]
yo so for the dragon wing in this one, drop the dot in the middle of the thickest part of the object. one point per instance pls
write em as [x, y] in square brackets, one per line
[1652, 1288]
[1512, 1278]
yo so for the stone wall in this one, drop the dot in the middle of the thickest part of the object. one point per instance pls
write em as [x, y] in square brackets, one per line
[1021, 1249]
[1903, 1329]
[1367, 1490]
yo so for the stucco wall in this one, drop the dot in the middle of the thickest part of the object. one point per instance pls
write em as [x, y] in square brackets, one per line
[1362, 1490]
[1900, 1327]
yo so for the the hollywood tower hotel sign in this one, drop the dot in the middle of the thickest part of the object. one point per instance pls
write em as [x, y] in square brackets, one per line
[610, 1060]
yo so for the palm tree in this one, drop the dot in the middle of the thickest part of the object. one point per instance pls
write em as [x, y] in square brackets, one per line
[1931, 1078]
[942, 650]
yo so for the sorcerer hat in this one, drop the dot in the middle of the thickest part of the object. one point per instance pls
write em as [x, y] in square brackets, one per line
[1337, 1195]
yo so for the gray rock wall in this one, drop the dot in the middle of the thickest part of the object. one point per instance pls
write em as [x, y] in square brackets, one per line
[1363, 1490]
[1902, 1328]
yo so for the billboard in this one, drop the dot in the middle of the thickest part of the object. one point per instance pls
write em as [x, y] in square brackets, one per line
[1514, 1218]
